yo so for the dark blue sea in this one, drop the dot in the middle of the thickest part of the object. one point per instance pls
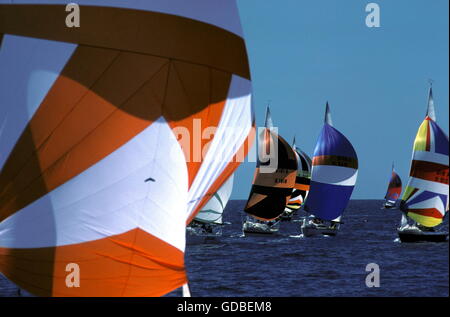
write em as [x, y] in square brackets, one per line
[289, 265]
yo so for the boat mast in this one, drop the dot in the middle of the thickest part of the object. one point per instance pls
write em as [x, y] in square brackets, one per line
[430, 108]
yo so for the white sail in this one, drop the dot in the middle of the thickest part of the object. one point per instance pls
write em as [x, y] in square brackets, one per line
[213, 210]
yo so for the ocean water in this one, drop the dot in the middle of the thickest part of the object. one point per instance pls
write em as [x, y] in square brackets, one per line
[289, 265]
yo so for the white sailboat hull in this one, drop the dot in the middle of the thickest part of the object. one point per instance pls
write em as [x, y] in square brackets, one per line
[255, 228]
[309, 229]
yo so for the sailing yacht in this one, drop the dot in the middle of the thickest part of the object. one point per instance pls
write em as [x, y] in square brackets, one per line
[425, 200]
[207, 224]
[302, 182]
[273, 182]
[394, 190]
[333, 177]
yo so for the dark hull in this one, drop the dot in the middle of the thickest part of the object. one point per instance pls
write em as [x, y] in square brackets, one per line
[423, 237]
[258, 234]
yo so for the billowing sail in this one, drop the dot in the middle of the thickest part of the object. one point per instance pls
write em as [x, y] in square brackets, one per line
[394, 188]
[106, 149]
[213, 210]
[302, 180]
[271, 191]
[334, 173]
[426, 195]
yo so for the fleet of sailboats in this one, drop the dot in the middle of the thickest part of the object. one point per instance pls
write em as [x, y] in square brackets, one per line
[88, 125]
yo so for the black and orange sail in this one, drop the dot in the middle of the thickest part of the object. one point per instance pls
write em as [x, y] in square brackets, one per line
[274, 177]
[90, 153]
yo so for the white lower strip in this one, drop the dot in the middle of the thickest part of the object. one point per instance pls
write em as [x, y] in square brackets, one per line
[334, 175]
[431, 157]
[434, 187]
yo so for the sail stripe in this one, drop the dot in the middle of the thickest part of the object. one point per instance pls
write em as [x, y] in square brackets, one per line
[335, 175]
[431, 157]
[420, 142]
[431, 186]
[335, 160]
[132, 30]
[429, 171]
[428, 212]
[107, 266]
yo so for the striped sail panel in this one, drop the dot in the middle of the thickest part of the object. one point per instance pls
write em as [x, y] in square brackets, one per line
[426, 195]
[334, 173]
[302, 180]
[213, 210]
[271, 191]
[92, 151]
[395, 188]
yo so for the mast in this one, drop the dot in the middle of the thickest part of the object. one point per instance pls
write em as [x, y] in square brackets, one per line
[431, 112]
[328, 119]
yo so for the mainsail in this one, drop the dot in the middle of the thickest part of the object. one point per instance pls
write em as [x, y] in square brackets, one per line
[334, 173]
[394, 188]
[213, 210]
[425, 199]
[271, 191]
[302, 180]
[93, 171]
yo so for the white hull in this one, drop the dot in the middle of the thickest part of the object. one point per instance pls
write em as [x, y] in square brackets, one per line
[309, 229]
[256, 228]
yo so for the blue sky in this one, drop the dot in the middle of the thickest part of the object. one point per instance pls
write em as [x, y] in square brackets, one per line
[303, 53]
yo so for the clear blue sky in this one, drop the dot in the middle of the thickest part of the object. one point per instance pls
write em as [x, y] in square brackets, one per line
[303, 53]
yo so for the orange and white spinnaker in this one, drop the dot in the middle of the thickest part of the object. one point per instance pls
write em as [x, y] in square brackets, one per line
[93, 170]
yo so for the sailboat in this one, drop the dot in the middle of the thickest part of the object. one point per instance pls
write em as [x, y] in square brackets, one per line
[273, 182]
[394, 190]
[207, 224]
[302, 182]
[96, 184]
[333, 177]
[425, 200]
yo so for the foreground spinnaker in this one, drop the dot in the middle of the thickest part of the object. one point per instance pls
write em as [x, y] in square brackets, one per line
[100, 169]
[425, 199]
